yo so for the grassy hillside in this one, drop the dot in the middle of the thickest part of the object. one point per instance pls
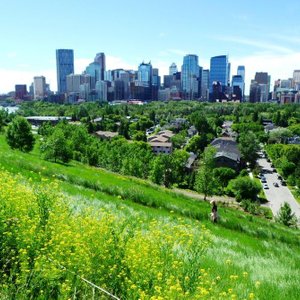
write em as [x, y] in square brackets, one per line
[136, 240]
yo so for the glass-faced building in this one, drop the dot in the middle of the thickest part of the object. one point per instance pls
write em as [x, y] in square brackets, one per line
[219, 71]
[64, 67]
[100, 59]
[145, 74]
[190, 73]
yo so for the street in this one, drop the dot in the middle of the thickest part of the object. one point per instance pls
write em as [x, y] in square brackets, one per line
[276, 196]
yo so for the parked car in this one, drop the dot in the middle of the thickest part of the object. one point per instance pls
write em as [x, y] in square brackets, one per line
[276, 184]
[283, 183]
[279, 177]
[265, 186]
[263, 180]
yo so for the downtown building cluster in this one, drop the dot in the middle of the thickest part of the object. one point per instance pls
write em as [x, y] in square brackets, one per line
[190, 82]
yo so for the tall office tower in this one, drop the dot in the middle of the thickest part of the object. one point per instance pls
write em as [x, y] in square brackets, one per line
[205, 85]
[73, 83]
[64, 67]
[101, 89]
[219, 72]
[144, 82]
[237, 87]
[190, 73]
[100, 59]
[94, 70]
[39, 85]
[255, 92]
[296, 79]
[145, 74]
[173, 69]
[263, 79]
[241, 71]
[20, 91]
[155, 83]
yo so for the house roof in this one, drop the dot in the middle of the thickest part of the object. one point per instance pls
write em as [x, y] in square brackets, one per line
[191, 160]
[227, 147]
[159, 144]
[107, 134]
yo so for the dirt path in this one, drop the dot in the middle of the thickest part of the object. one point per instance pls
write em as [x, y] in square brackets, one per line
[192, 194]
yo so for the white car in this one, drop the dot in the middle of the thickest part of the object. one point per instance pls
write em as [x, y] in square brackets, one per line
[265, 186]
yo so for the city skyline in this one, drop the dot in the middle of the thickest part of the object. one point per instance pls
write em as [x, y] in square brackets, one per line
[250, 36]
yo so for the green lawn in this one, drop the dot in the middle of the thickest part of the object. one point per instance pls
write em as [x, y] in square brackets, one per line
[264, 255]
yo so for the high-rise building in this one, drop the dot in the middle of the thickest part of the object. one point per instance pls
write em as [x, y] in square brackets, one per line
[241, 72]
[145, 74]
[173, 69]
[94, 70]
[20, 91]
[296, 79]
[219, 72]
[101, 89]
[190, 73]
[39, 85]
[64, 67]
[73, 83]
[100, 59]
[205, 85]
[255, 92]
[263, 79]
[237, 87]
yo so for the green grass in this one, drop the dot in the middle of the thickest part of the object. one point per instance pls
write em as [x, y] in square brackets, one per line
[267, 251]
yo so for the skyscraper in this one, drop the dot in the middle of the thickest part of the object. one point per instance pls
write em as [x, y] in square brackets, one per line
[39, 84]
[241, 72]
[21, 91]
[263, 79]
[190, 73]
[219, 72]
[145, 74]
[173, 69]
[296, 79]
[64, 67]
[94, 69]
[100, 59]
[205, 84]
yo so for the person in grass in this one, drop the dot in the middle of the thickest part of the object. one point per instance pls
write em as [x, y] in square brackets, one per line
[214, 211]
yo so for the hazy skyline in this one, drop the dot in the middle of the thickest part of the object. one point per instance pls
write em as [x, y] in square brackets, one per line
[261, 36]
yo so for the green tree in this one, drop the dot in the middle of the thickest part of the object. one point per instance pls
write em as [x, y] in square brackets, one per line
[285, 216]
[140, 136]
[205, 181]
[179, 160]
[249, 147]
[244, 188]
[157, 170]
[223, 176]
[200, 122]
[56, 147]
[19, 135]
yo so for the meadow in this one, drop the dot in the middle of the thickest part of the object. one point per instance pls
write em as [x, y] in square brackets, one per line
[68, 229]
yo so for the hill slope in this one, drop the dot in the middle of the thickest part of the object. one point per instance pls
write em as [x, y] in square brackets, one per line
[134, 239]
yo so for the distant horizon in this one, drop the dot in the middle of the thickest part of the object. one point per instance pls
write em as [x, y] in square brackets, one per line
[160, 32]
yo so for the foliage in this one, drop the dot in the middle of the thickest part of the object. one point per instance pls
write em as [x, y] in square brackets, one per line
[19, 135]
[56, 147]
[222, 177]
[285, 215]
[279, 135]
[205, 181]
[249, 147]
[244, 188]
[242, 267]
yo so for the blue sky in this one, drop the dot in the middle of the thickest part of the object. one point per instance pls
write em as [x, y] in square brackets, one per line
[262, 35]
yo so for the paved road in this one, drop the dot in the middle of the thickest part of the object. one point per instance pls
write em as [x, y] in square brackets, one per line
[277, 195]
